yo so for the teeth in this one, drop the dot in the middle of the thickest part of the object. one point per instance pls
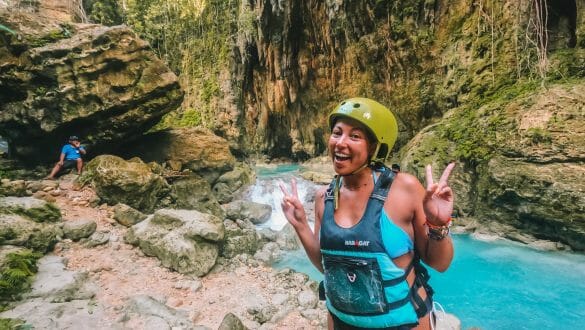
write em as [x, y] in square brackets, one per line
[341, 155]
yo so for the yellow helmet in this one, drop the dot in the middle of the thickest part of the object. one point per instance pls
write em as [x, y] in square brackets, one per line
[378, 119]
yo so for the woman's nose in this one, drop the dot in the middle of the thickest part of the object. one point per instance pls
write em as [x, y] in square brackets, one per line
[342, 140]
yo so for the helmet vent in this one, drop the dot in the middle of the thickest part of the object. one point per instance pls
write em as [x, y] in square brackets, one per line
[356, 105]
[342, 103]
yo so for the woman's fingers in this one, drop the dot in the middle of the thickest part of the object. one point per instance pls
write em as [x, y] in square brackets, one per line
[282, 188]
[447, 173]
[293, 184]
[429, 176]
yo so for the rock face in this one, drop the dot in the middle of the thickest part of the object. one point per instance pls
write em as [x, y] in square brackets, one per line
[184, 240]
[58, 79]
[195, 149]
[293, 61]
[118, 181]
[531, 175]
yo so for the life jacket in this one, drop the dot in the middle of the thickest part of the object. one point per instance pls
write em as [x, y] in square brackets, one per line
[363, 286]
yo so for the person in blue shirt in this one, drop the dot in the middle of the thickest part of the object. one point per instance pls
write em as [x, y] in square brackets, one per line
[70, 157]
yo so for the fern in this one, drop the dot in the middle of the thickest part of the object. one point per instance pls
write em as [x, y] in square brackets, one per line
[16, 273]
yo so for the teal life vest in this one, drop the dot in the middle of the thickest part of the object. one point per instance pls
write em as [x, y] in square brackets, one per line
[363, 286]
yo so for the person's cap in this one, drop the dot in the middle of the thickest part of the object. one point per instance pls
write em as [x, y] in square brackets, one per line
[73, 138]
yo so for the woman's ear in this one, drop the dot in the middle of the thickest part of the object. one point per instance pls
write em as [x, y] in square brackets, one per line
[371, 150]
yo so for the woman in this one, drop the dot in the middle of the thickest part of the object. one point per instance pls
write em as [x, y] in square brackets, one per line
[372, 225]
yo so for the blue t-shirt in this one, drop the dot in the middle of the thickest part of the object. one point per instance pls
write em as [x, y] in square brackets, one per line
[71, 153]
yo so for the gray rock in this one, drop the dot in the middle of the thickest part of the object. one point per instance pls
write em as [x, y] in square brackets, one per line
[256, 213]
[75, 314]
[241, 237]
[20, 231]
[184, 240]
[98, 238]
[78, 229]
[194, 193]
[231, 322]
[55, 283]
[287, 238]
[307, 299]
[118, 181]
[268, 254]
[279, 298]
[127, 215]
[146, 306]
[30, 207]
[311, 313]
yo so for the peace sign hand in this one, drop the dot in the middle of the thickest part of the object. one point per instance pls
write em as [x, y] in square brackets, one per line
[438, 200]
[292, 207]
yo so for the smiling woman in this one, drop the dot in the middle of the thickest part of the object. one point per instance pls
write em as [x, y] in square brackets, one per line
[373, 226]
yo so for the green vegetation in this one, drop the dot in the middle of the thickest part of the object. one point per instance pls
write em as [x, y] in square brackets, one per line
[105, 12]
[539, 135]
[16, 273]
[479, 127]
[195, 39]
[14, 324]
[51, 37]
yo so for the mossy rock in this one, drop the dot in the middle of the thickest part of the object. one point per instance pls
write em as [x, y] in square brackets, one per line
[35, 209]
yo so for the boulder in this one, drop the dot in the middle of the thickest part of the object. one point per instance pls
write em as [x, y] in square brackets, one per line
[228, 183]
[184, 240]
[126, 215]
[13, 188]
[102, 83]
[20, 231]
[78, 229]
[256, 213]
[240, 237]
[118, 181]
[35, 209]
[194, 193]
[195, 149]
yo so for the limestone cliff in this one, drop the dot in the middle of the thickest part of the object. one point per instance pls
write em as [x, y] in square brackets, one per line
[59, 78]
[470, 69]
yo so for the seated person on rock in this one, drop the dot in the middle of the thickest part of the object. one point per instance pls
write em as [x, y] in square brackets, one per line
[70, 157]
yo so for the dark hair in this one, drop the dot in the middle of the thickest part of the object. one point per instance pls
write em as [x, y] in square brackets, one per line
[395, 167]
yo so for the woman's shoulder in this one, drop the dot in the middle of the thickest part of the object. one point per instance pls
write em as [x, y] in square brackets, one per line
[320, 192]
[407, 181]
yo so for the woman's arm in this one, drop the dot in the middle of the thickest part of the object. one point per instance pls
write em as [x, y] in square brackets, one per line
[295, 214]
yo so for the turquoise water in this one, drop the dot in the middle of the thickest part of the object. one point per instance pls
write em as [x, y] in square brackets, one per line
[501, 285]
[275, 170]
[490, 285]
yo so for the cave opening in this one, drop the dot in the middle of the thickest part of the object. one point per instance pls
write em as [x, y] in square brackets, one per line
[561, 24]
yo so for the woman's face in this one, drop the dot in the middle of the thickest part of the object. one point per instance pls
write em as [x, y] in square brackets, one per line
[349, 147]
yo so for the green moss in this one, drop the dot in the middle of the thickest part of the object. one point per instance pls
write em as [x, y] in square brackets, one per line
[51, 37]
[14, 324]
[476, 128]
[16, 273]
[538, 135]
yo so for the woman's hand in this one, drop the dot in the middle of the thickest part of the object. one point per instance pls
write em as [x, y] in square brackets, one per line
[438, 200]
[292, 207]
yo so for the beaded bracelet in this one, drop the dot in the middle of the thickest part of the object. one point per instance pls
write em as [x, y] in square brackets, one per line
[438, 233]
